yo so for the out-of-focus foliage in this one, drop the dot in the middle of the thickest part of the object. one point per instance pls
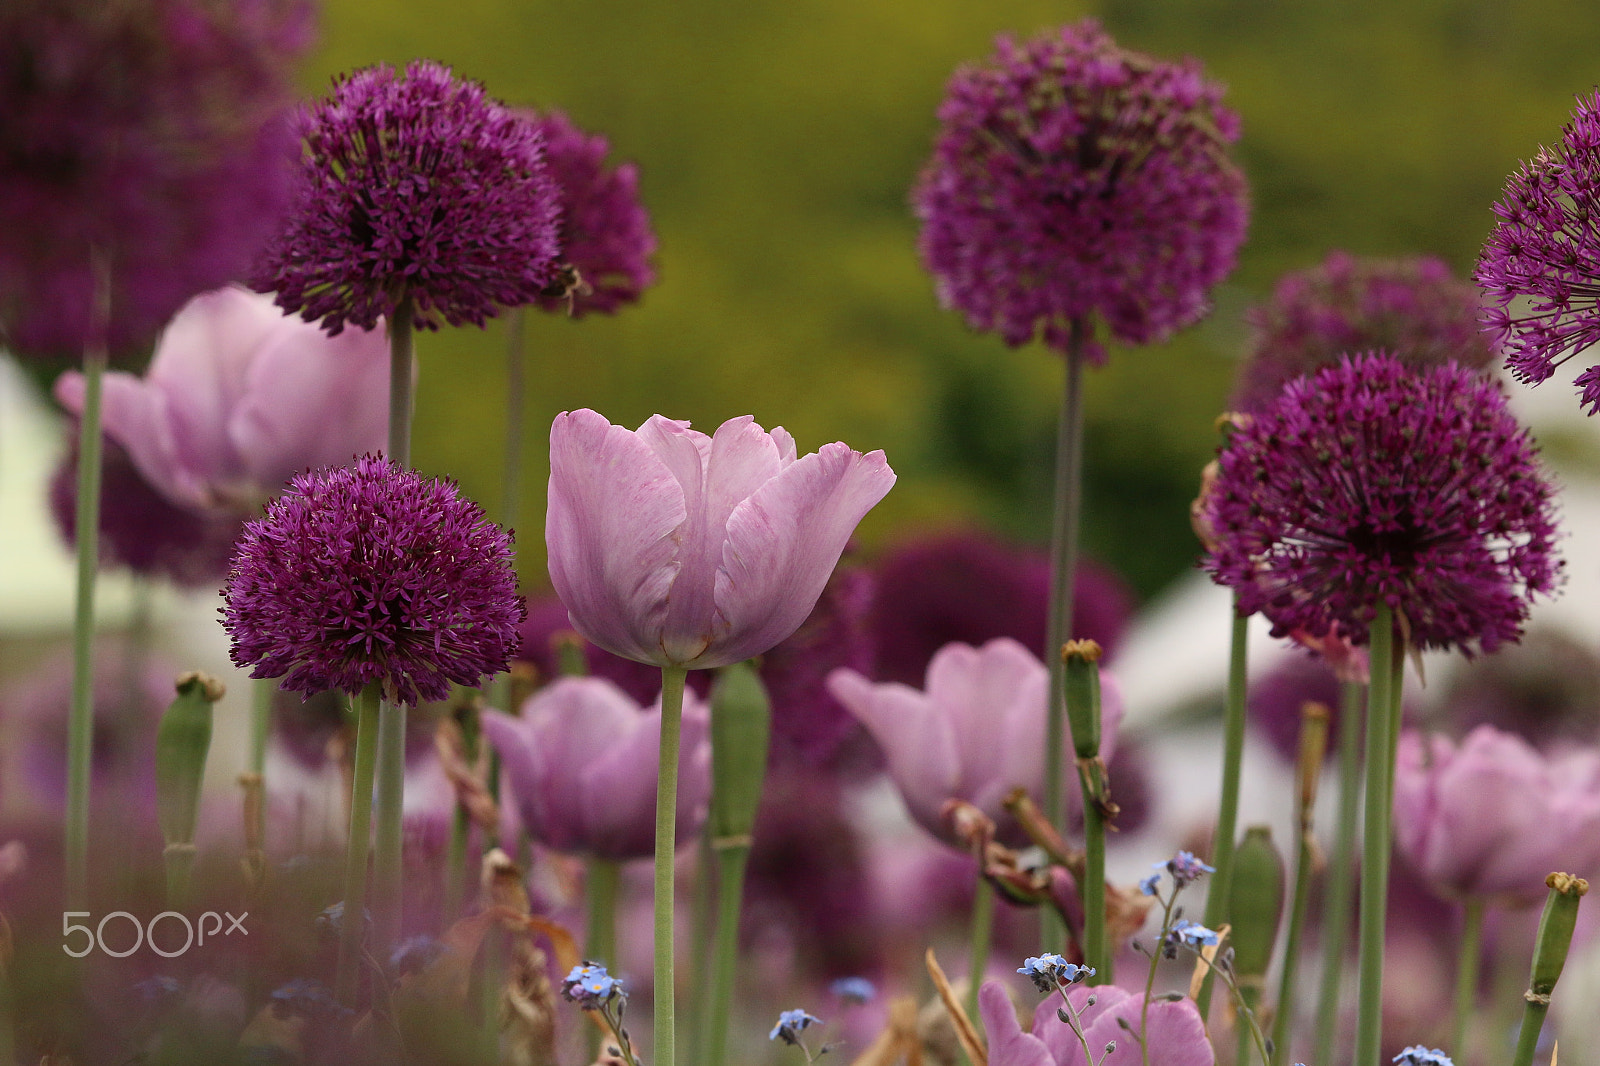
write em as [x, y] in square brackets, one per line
[777, 140]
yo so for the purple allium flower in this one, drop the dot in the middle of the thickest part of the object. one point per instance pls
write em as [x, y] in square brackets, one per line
[1369, 481]
[373, 573]
[1545, 249]
[1414, 308]
[415, 187]
[155, 135]
[1173, 1031]
[1074, 178]
[1276, 696]
[605, 230]
[791, 1023]
[1546, 689]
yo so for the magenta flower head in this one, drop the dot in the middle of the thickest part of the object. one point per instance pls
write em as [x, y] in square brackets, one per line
[415, 187]
[1490, 817]
[675, 548]
[373, 573]
[1370, 482]
[1074, 178]
[1175, 1035]
[605, 232]
[1413, 308]
[582, 761]
[153, 137]
[974, 732]
[1545, 251]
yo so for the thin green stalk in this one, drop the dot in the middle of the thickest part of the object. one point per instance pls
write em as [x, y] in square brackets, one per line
[455, 860]
[401, 357]
[1312, 752]
[701, 930]
[731, 862]
[1250, 999]
[601, 878]
[1341, 877]
[672, 679]
[353, 924]
[1232, 770]
[388, 880]
[1375, 839]
[982, 934]
[1096, 952]
[1063, 566]
[1467, 963]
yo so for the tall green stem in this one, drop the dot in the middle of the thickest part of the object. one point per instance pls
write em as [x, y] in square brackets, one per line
[666, 996]
[1375, 838]
[1096, 952]
[1063, 567]
[1467, 963]
[401, 357]
[982, 933]
[353, 924]
[731, 862]
[388, 881]
[601, 878]
[1232, 770]
[1341, 871]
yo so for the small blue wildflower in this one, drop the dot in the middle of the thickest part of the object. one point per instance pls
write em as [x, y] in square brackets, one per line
[157, 989]
[307, 998]
[1186, 868]
[590, 987]
[1148, 885]
[414, 953]
[1048, 972]
[791, 1023]
[1188, 934]
[854, 990]
[1417, 1055]
[331, 920]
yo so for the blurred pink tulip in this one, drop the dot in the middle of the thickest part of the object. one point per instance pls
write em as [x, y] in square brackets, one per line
[1175, 1034]
[975, 731]
[581, 762]
[1491, 818]
[239, 397]
[675, 548]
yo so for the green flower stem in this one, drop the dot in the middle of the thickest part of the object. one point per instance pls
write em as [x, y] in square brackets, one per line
[1064, 561]
[600, 890]
[401, 358]
[1381, 704]
[702, 919]
[387, 888]
[1313, 747]
[1467, 963]
[672, 679]
[982, 933]
[731, 863]
[1095, 949]
[1549, 959]
[1080, 663]
[1340, 876]
[353, 925]
[455, 861]
[1249, 1000]
[1232, 770]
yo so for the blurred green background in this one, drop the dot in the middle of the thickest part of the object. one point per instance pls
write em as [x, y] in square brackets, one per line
[777, 140]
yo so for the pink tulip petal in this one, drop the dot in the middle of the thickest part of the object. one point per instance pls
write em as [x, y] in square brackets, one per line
[915, 738]
[618, 790]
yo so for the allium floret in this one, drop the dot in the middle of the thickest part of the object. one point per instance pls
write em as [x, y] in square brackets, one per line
[373, 573]
[1073, 178]
[1370, 482]
[1546, 250]
[415, 187]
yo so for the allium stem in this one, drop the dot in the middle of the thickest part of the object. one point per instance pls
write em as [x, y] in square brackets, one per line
[353, 923]
[1375, 836]
[1313, 746]
[387, 888]
[672, 680]
[401, 357]
[1063, 567]
[1340, 880]
[731, 863]
[1467, 966]
[1232, 770]
[982, 933]
[255, 784]
[455, 857]
[80, 721]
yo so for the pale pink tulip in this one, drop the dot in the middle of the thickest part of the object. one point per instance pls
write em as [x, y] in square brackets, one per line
[1174, 1032]
[674, 548]
[239, 397]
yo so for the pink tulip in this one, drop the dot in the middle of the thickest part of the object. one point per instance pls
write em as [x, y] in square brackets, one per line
[975, 731]
[1491, 818]
[240, 397]
[675, 548]
[1174, 1032]
[581, 762]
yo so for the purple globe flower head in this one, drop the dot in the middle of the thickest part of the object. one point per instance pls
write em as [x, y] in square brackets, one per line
[605, 232]
[1546, 689]
[675, 548]
[415, 187]
[1175, 1034]
[1414, 308]
[1544, 251]
[1277, 695]
[970, 587]
[1072, 178]
[152, 136]
[373, 573]
[1370, 482]
[1490, 817]
[974, 732]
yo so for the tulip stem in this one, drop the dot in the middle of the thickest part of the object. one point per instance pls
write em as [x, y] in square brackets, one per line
[1340, 879]
[387, 887]
[353, 922]
[1063, 566]
[1232, 769]
[982, 932]
[1381, 705]
[672, 679]
[1467, 963]
[731, 863]
[600, 890]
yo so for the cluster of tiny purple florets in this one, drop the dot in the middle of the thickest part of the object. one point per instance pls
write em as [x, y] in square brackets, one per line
[1073, 178]
[1413, 308]
[605, 230]
[373, 573]
[417, 186]
[1546, 249]
[1370, 482]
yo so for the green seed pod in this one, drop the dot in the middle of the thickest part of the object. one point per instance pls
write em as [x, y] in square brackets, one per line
[1081, 687]
[1255, 903]
[741, 721]
[182, 743]
[1555, 931]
